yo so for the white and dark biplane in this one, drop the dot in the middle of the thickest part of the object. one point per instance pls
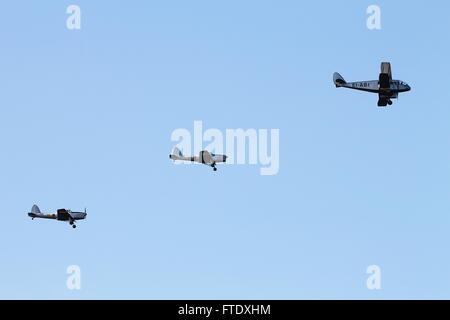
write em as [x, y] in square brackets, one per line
[385, 87]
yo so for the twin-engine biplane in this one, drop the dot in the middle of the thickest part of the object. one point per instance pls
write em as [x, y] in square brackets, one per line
[386, 88]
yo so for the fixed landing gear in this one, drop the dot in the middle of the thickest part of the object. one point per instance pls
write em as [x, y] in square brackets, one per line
[74, 226]
[214, 168]
[389, 102]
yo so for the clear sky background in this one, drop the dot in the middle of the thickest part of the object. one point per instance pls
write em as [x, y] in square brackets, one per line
[86, 119]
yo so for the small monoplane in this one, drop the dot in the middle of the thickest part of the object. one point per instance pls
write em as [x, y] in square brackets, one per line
[204, 157]
[60, 215]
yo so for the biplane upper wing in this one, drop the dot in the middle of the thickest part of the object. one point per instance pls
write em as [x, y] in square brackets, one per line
[385, 75]
[386, 68]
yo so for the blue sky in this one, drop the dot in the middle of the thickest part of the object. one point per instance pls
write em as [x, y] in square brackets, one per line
[86, 118]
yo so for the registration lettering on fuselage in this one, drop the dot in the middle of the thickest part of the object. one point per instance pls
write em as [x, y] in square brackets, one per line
[361, 85]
